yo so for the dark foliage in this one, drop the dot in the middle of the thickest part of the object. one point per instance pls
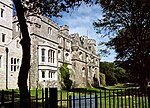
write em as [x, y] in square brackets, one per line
[65, 76]
[127, 22]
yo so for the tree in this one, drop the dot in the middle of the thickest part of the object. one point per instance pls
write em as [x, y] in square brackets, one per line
[45, 7]
[121, 75]
[114, 74]
[108, 69]
[128, 21]
[65, 76]
[130, 75]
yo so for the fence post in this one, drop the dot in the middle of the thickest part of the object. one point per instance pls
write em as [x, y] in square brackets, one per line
[46, 97]
[2, 98]
[148, 93]
[96, 101]
[13, 98]
[70, 102]
[53, 98]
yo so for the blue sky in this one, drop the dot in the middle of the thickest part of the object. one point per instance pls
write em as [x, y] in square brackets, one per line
[80, 21]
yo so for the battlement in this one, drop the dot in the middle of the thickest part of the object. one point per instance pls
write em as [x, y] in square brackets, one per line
[49, 21]
[64, 27]
[75, 36]
[92, 41]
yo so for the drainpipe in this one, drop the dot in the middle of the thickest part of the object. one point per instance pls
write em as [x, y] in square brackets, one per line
[37, 81]
[63, 49]
[6, 68]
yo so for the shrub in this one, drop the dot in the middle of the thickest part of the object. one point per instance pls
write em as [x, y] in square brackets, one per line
[65, 76]
[68, 83]
[102, 79]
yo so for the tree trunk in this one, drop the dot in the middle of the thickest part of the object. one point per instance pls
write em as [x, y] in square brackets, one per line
[25, 66]
[143, 78]
[143, 85]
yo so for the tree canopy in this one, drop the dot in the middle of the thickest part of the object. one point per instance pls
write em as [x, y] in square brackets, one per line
[127, 23]
[52, 8]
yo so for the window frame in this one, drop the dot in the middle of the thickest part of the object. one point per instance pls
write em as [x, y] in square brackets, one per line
[17, 43]
[3, 37]
[51, 74]
[0, 61]
[60, 39]
[2, 12]
[49, 30]
[43, 55]
[14, 64]
[51, 56]
[17, 27]
[43, 74]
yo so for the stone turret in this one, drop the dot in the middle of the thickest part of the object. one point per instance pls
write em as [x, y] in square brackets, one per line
[92, 45]
[84, 42]
[75, 41]
[64, 29]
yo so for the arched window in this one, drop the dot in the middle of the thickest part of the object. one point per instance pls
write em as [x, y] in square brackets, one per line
[67, 56]
[51, 56]
[51, 74]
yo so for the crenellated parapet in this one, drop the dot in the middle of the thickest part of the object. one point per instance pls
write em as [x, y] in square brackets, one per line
[64, 29]
[92, 41]
[49, 21]
[84, 42]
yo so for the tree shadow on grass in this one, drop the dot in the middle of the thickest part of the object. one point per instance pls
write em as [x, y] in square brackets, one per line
[11, 99]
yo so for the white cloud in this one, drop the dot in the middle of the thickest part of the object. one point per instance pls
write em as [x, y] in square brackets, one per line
[81, 21]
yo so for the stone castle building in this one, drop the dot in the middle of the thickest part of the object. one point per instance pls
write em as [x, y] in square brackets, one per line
[51, 46]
